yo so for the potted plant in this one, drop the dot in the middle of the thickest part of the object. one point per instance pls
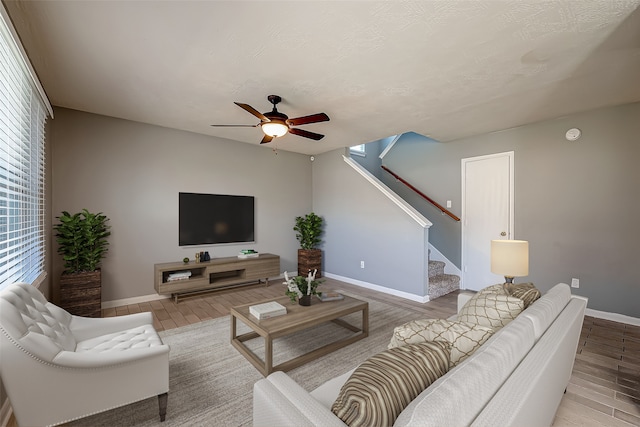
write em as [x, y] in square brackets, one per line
[82, 242]
[301, 288]
[308, 231]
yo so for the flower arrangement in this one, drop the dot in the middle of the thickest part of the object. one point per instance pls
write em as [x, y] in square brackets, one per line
[299, 286]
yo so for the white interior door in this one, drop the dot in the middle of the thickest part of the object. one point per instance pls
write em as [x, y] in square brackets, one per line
[487, 214]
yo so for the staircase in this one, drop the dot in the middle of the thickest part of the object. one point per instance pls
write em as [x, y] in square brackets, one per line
[439, 283]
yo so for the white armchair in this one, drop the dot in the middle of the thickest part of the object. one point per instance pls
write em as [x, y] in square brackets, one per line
[57, 367]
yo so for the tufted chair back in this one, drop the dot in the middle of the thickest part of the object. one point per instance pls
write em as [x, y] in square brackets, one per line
[34, 324]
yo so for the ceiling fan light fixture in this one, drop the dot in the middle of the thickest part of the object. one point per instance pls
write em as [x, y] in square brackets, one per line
[274, 128]
[275, 124]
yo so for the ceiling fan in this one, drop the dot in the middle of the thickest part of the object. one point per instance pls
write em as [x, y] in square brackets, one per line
[275, 124]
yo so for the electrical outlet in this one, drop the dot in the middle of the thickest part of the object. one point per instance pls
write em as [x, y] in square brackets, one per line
[575, 283]
[361, 264]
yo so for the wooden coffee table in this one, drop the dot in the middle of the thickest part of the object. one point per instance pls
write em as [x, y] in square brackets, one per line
[298, 318]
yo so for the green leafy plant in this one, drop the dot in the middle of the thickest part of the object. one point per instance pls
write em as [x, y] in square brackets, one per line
[309, 230]
[298, 286]
[82, 240]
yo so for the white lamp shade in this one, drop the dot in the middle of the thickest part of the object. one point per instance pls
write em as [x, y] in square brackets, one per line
[274, 128]
[510, 258]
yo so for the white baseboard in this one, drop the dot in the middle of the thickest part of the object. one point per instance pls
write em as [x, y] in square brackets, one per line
[133, 300]
[614, 317]
[378, 288]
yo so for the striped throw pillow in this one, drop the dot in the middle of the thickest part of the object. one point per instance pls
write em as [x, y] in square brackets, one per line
[527, 292]
[381, 387]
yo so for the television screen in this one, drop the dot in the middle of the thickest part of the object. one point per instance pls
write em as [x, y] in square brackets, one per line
[212, 219]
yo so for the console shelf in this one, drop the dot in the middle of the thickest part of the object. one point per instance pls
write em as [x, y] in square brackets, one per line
[219, 273]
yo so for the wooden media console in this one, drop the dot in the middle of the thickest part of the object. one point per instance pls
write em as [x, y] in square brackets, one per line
[218, 273]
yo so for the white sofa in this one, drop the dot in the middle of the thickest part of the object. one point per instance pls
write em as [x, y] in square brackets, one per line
[516, 378]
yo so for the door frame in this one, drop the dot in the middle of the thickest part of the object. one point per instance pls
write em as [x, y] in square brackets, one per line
[511, 231]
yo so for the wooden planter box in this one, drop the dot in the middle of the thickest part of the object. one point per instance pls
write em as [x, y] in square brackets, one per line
[81, 293]
[309, 260]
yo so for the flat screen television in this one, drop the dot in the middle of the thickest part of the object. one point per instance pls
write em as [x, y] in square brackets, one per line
[214, 219]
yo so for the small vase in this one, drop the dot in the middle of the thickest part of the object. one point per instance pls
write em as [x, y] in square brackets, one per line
[305, 300]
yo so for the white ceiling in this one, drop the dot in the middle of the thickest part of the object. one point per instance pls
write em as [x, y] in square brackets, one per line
[443, 68]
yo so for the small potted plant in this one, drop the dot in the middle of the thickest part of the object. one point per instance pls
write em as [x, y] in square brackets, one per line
[308, 231]
[301, 288]
[82, 242]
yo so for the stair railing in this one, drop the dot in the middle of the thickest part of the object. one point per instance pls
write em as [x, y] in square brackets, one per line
[421, 194]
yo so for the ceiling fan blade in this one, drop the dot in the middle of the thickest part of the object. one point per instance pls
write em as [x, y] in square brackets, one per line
[314, 118]
[266, 139]
[306, 134]
[236, 126]
[253, 111]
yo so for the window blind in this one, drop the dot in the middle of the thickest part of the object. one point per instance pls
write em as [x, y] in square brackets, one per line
[23, 113]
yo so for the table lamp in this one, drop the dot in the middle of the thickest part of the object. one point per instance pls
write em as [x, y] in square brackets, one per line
[510, 258]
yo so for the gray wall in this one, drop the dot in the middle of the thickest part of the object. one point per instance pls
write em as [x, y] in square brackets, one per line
[405, 159]
[576, 202]
[371, 160]
[133, 172]
[364, 225]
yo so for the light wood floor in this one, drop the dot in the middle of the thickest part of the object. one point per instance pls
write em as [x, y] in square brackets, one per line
[168, 315]
[605, 385]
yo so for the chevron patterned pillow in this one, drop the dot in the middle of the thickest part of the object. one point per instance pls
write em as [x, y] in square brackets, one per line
[465, 338]
[489, 309]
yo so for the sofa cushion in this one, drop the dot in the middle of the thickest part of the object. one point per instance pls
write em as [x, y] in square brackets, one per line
[139, 337]
[464, 338]
[527, 292]
[493, 310]
[382, 386]
[456, 398]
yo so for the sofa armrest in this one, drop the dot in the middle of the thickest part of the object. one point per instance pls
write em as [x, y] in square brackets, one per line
[280, 401]
[463, 297]
[544, 372]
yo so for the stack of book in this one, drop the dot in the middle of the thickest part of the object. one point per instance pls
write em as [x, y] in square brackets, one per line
[248, 253]
[267, 310]
[330, 296]
[180, 275]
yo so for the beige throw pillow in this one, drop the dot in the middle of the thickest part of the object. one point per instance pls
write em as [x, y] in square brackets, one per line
[464, 338]
[527, 292]
[493, 310]
[381, 387]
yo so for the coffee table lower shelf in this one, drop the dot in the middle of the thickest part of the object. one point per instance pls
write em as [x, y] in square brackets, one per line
[297, 319]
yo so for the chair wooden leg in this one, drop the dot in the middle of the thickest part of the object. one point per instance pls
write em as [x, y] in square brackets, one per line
[162, 402]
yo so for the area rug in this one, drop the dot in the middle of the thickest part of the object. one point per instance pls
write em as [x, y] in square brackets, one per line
[211, 384]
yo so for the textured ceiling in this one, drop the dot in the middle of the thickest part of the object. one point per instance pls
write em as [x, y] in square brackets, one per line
[443, 68]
